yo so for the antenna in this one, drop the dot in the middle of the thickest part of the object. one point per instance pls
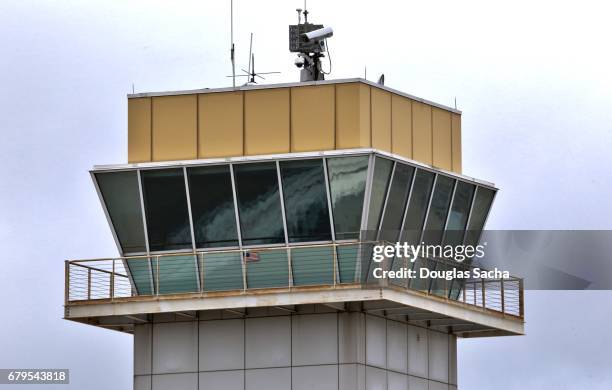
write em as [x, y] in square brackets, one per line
[232, 46]
[250, 73]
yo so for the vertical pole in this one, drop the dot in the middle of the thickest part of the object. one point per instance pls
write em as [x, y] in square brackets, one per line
[503, 303]
[112, 281]
[484, 305]
[521, 299]
[88, 283]
[335, 259]
[67, 282]
[157, 275]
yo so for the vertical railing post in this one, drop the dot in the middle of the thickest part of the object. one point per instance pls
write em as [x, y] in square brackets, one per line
[290, 267]
[112, 281]
[335, 259]
[521, 301]
[503, 302]
[157, 275]
[201, 255]
[67, 282]
[244, 271]
[484, 304]
[88, 283]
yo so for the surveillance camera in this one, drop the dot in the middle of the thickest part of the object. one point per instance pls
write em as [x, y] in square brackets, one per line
[299, 62]
[318, 35]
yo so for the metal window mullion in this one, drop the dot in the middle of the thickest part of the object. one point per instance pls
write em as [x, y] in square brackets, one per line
[399, 237]
[329, 202]
[284, 215]
[331, 221]
[282, 201]
[193, 243]
[384, 208]
[433, 190]
[364, 212]
[238, 229]
[367, 192]
[450, 210]
[467, 223]
[146, 230]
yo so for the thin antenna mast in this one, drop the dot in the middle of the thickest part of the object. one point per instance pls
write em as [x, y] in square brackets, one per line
[232, 47]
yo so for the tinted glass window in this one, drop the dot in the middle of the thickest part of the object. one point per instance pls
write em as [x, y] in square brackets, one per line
[459, 213]
[165, 202]
[419, 199]
[438, 211]
[347, 176]
[259, 204]
[212, 206]
[380, 182]
[482, 205]
[305, 200]
[396, 202]
[122, 199]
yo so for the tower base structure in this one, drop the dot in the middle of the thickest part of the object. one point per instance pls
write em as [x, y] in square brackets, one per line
[297, 348]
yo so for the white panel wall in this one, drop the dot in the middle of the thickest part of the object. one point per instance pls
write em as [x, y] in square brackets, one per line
[329, 351]
[315, 339]
[438, 356]
[418, 361]
[376, 341]
[221, 345]
[268, 342]
[175, 347]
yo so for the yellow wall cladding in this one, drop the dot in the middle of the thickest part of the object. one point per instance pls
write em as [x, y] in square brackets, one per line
[220, 124]
[312, 118]
[175, 128]
[296, 118]
[139, 134]
[266, 121]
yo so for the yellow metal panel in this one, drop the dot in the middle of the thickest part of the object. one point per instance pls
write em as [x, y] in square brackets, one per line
[352, 116]
[401, 126]
[442, 139]
[421, 132]
[220, 124]
[175, 127]
[139, 130]
[456, 137]
[381, 119]
[266, 121]
[312, 118]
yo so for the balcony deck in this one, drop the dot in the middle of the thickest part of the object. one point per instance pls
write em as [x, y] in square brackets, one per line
[112, 293]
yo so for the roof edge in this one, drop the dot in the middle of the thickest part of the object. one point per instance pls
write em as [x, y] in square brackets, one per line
[290, 85]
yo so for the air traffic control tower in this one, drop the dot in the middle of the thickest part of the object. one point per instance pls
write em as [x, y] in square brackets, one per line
[245, 220]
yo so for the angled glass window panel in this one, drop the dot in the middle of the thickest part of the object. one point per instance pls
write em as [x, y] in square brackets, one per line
[380, 182]
[121, 196]
[396, 202]
[347, 177]
[259, 206]
[212, 206]
[438, 211]
[480, 210]
[459, 213]
[417, 207]
[165, 202]
[305, 200]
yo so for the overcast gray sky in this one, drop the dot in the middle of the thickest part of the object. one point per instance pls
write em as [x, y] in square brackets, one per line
[532, 78]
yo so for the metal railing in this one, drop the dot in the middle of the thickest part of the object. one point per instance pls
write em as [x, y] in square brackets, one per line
[327, 265]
